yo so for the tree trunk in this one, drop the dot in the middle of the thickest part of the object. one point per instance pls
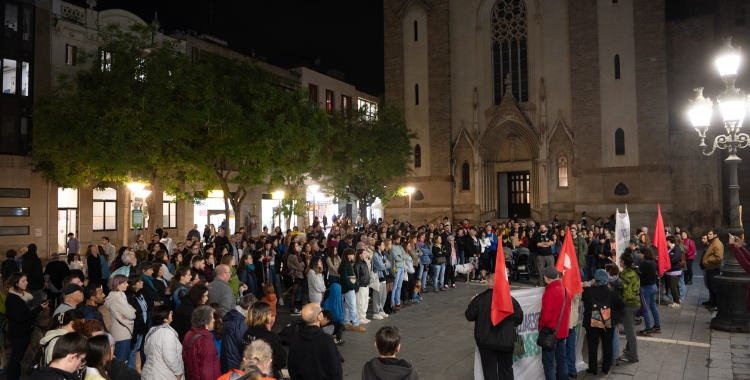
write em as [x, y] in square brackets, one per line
[227, 231]
[363, 211]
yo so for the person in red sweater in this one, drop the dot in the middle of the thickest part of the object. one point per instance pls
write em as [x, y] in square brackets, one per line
[198, 349]
[552, 306]
[743, 258]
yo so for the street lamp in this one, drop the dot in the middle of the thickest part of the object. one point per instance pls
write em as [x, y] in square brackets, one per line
[314, 189]
[409, 190]
[136, 216]
[733, 105]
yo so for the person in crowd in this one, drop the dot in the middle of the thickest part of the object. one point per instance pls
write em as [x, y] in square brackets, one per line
[259, 328]
[233, 332]
[711, 264]
[210, 264]
[162, 259]
[297, 270]
[380, 265]
[138, 302]
[198, 350]
[219, 290]
[21, 314]
[246, 275]
[495, 342]
[129, 264]
[673, 275]
[68, 357]
[334, 307]
[690, 255]
[196, 296]
[163, 348]
[425, 259]
[32, 268]
[54, 273]
[570, 341]
[631, 295]
[386, 365]
[270, 298]
[333, 261]
[161, 284]
[556, 301]
[315, 282]
[98, 358]
[398, 255]
[349, 287]
[198, 263]
[73, 245]
[104, 264]
[362, 274]
[439, 259]
[72, 296]
[648, 280]
[257, 361]
[122, 316]
[9, 266]
[175, 262]
[178, 287]
[93, 296]
[60, 325]
[412, 269]
[312, 354]
[600, 303]
[615, 284]
[452, 261]
[94, 264]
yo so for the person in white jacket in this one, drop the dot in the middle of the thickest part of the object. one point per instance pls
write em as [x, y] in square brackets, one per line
[315, 282]
[121, 314]
[163, 348]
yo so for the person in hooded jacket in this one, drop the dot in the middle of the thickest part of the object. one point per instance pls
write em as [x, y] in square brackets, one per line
[259, 327]
[312, 353]
[387, 366]
[32, 267]
[495, 342]
[196, 296]
[233, 332]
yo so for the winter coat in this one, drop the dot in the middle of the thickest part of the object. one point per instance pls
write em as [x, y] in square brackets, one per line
[92, 312]
[247, 277]
[232, 332]
[220, 292]
[500, 337]
[389, 368]
[49, 339]
[690, 252]
[316, 286]
[631, 292]
[57, 271]
[675, 259]
[178, 294]
[32, 267]
[140, 323]
[94, 265]
[119, 370]
[313, 355]
[294, 263]
[346, 271]
[398, 254]
[9, 267]
[333, 263]
[49, 373]
[181, 317]
[118, 307]
[161, 286]
[581, 247]
[164, 354]
[200, 357]
[594, 294]
[273, 340]
[20, 314]
[378, 266]
[552, 302]
[712, 258]
[362, 272]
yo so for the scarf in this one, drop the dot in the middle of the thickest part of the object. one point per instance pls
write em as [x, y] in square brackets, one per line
[250, 267]
[26, 296]
[147, 281]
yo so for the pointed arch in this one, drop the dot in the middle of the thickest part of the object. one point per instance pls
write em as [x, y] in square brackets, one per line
[510, 50]
[562, 171]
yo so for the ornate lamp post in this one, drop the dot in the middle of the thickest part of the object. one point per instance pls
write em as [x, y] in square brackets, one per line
[409, 190]
[733, 103]
[136, 218]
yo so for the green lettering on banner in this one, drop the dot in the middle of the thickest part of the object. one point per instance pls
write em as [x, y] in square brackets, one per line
[529, 343]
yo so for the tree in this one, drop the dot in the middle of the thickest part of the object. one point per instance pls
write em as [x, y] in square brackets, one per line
[120, 118]
[364, 154]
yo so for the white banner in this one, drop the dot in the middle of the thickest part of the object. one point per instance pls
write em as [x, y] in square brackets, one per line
[529, 366]
[622, 232]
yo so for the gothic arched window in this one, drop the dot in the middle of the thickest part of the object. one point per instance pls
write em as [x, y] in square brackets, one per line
[509, 49]
[417, 156]
[619, 142]
[562, 172]
[465, 176]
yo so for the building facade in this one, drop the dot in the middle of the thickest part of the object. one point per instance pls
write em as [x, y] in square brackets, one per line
[539, 108]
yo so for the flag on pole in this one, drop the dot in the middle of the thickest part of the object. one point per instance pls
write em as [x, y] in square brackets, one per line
[660, 242]
[502, 304]
[622, 232]
[567, 264]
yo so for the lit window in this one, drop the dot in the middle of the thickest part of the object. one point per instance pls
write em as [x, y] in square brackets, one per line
[105, 210]
[24, 79]
[562, 172]
[11, 20]
[106, 61]
[329, 101]
[71, 52]
[169, 211]
[9, 76]
[509, 50]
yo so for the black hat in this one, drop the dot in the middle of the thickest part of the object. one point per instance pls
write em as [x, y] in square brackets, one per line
[71, 288]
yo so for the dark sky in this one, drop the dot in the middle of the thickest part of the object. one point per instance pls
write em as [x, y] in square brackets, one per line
[346, 35]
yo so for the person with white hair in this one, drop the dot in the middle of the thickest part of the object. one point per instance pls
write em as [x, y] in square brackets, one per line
[199, 352]
[130, 261]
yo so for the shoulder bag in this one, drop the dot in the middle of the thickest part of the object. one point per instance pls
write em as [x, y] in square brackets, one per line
[547, 336]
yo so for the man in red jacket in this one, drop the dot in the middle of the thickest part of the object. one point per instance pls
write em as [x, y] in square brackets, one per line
[554, 317]
[198, 349]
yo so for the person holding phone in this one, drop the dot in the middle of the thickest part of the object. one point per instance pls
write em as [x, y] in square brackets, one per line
[21, 315]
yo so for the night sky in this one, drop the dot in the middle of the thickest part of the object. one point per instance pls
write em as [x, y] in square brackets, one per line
[346, 35]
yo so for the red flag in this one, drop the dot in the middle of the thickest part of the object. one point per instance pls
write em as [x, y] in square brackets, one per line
[502, 304]
[567, 264]
[660, 242]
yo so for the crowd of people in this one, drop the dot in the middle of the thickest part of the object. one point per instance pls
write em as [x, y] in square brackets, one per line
[204, 307]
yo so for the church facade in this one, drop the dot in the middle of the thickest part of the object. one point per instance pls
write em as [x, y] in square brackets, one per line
[539, 108]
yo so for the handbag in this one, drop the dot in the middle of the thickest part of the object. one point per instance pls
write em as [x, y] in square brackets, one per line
[374, 281]
[519, 349]
[548, 336]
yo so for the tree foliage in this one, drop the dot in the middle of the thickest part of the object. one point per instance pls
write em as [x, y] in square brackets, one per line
[363, 155]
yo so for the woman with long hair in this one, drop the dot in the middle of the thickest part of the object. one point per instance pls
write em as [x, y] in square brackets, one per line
[21, 316]
[121, 314]
[690, 255]
[163, 259]
[439, 259]
[139, 303]
[349, 288]
[246, 274]
[332, 262]
[259, 328]
[160, 283]
[362, 274]
[150, 294]
[315, 284]
[175, 262]
[196, 296]
[98, 358]
[179, 285]
[297, 268]
[163, 348]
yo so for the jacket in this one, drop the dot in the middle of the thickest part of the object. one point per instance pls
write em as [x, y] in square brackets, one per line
[220, 292]
[178, 293]
[333, 264]
[397, 252]
[9, 267]
[164, 352]
[294, 264]
[440, 253]
[675, 259]
[119, 370]
[32, 267]
[273, 340]
[647, 273]
[425, 254]
[57, 271]
[615, 284]
[690, 252]
[743, 258]
[631, 292]
[200, 357]
[313, 355]
[552, 302]
[473, 246]
[488, 336]
[581, 247]
[316, 286]
[49, 339]
[92, 312]
[161, 286]
[49, 373]
[140, 326]
[346, 271]
[247, 277]
[20, 314]
[378, 266]
[593, 294]
[389, 369]
[94, 265]
[232, 332]
[362, 273]
[118, 307]
[181, 318]
[712, 258]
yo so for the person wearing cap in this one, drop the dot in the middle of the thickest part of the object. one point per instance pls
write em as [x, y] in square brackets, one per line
[72, 296]
[552, 309]
[594, 292]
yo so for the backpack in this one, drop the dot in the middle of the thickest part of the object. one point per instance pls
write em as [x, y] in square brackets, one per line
[288, 331]
[39, 360]
[601, 312]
